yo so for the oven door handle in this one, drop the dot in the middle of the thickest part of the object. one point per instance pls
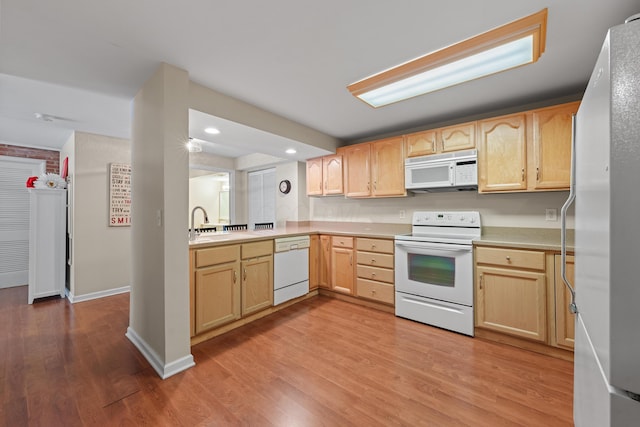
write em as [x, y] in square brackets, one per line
[440, 246]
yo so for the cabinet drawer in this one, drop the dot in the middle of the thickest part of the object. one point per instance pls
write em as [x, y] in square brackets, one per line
[375, 273]
[374, 259]
[510, 258]
[218, 255]
[257, 249]
[342, 242]
[375, 245]
[375, 290]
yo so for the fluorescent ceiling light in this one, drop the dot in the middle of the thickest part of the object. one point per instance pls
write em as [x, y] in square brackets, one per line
[212, 131]
[518, 43]
[290, 151]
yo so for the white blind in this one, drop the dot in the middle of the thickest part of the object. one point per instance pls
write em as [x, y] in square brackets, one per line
[262, 196]
[14, 219]
[14, 198]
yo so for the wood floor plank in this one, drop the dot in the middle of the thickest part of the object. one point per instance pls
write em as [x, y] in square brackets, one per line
[321, 362]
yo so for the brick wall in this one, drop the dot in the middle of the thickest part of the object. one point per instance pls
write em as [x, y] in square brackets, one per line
[52, 157]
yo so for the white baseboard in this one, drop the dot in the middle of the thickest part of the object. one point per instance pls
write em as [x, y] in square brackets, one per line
[163, 370]
[94, 295]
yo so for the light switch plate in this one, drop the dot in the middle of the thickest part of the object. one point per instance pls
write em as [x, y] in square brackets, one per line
[551, 214]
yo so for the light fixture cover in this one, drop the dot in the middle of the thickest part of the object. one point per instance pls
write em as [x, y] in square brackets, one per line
[511, 45]
[193, 145]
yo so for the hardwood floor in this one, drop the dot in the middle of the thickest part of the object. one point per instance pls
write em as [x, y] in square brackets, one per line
[319, 362]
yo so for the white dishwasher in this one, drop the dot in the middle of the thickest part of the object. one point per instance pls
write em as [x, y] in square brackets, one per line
[290, 268]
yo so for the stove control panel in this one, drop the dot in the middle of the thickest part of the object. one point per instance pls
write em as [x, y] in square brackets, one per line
[447, 219]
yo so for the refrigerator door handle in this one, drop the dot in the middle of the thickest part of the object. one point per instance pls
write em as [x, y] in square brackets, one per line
[563, 218]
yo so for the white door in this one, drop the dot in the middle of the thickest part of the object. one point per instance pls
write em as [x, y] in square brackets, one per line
[14, 218]
[262, 196]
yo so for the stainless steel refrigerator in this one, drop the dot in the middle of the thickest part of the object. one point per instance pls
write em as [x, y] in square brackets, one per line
[607, 236]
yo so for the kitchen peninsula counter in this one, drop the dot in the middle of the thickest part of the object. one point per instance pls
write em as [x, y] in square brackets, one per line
[354, 229]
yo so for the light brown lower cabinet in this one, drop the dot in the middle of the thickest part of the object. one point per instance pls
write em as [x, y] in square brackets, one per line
[375, 270]
[257, 284]
[511, 296]
[314, 262]
[342, 265]
[512, 301]
[565, 320]
[257, 276]
[324, 273]
[216, 287]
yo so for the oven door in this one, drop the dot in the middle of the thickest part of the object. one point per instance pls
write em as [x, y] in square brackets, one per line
[435, 270]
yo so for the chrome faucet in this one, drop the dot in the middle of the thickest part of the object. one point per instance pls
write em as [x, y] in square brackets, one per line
[192, 230]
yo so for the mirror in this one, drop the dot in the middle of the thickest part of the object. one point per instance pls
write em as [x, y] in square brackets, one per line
[211, 190]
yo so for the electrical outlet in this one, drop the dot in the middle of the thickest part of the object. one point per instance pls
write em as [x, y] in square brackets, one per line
[551, 214]
[402, 213]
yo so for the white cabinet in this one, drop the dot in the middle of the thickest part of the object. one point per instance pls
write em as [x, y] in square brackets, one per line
[47, 227]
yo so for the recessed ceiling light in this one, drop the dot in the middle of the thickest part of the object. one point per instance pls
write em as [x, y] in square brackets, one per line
[212, 131]
[290, 151]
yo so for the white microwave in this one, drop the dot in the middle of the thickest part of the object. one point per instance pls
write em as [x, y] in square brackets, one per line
[457, 171]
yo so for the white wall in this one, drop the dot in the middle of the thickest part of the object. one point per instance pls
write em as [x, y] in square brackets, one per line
[295, 205]
[496, 210]
[159, 314]
[101, 255]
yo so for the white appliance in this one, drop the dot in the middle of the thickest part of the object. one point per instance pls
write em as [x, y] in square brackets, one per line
[457, 171]
[607, 265]
[290, 268]
[47, 253]
[434, 270]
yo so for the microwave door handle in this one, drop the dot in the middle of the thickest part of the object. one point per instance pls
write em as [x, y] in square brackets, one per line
[427, 246]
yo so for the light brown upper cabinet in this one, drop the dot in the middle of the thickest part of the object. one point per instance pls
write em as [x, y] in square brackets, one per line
[324, 175]
[552, 147]
[502, 155]
[357, 165]
[529, 151]
[442, 140]
[375, 169]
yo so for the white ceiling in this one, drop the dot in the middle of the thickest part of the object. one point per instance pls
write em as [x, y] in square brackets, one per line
[84, 61]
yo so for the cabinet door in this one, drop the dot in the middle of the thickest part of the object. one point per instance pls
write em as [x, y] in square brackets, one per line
[324, 276]
[565, 320]
[502, 158]
[357, 160]
[257, 284]
[314, 262]
[314, 177]
[421, 143]
[388, 167]
[342, 270]
[332, 174]
[552, 147]
[512, 302]
[217, 296]
[458, 137]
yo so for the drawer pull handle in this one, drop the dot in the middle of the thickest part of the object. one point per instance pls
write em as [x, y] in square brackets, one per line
[508, 258]
[373, 274]
[373, 246]
[373, 292]
[481, 281]
[373, 261]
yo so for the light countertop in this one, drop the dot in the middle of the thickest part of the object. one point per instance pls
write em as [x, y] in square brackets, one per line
[355, 229]
[547, 239]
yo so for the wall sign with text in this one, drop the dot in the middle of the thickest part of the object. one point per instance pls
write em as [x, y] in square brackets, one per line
[119, 195]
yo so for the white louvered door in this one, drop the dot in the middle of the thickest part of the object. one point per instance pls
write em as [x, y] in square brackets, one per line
[14, 218]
